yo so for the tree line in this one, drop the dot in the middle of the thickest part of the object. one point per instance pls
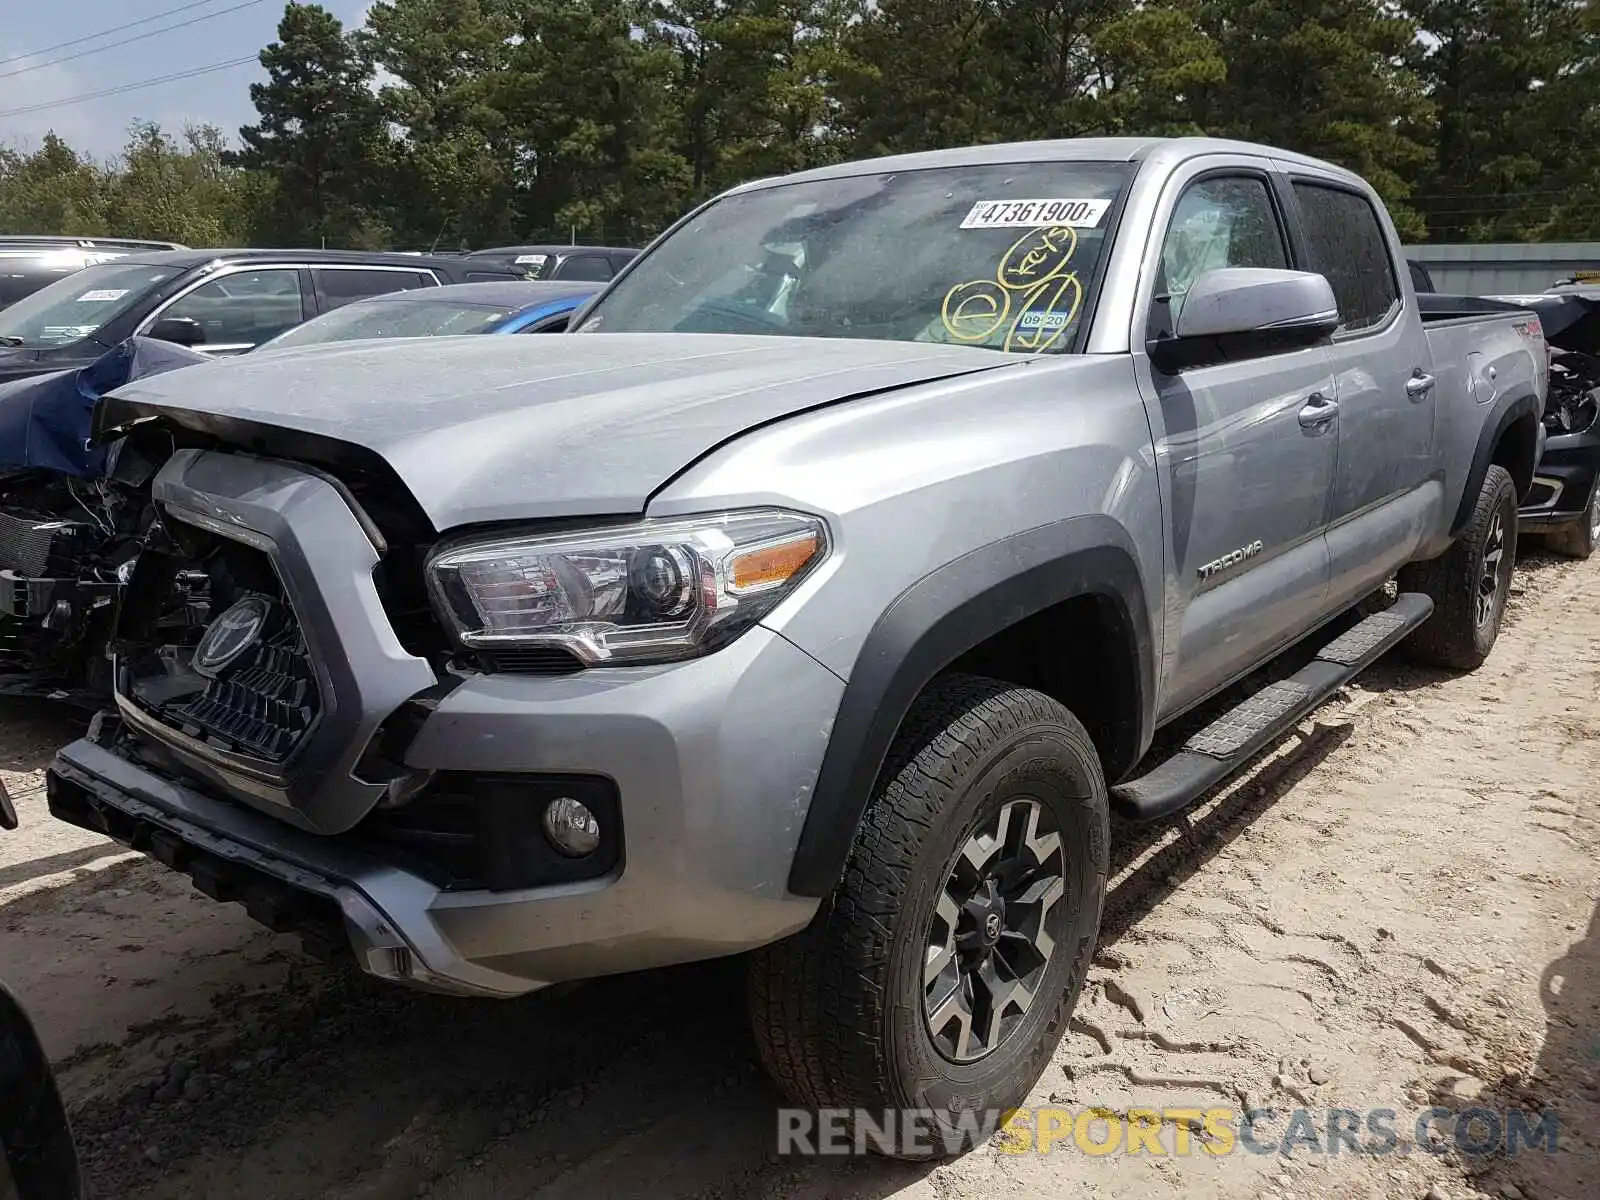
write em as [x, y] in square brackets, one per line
[459, 123]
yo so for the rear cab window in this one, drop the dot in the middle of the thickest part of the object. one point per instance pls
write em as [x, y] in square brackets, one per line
[1344, 242]
[338, 286]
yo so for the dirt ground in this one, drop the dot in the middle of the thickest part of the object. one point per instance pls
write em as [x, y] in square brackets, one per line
[1396, 909]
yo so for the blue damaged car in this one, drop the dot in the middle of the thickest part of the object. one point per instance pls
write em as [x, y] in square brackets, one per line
[71, 515]
[70, 518]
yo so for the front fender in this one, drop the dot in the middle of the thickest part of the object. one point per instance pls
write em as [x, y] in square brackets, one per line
[931, 624]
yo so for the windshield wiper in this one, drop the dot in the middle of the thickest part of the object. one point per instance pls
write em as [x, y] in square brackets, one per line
[11, 339]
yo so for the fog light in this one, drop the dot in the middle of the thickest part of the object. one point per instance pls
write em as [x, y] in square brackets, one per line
[571, 827]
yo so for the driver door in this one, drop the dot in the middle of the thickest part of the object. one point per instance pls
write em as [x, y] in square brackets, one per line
[1246, 460]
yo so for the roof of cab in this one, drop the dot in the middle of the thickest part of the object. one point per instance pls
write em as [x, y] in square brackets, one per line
[1111, 149]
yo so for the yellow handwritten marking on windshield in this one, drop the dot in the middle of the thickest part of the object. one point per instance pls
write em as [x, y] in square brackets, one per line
[1032, 296]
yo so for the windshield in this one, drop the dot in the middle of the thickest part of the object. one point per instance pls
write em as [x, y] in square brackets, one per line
[77, 306]
[394, 319]
[998, 256]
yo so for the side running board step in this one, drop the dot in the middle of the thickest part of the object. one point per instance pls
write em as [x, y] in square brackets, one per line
[1237, 736]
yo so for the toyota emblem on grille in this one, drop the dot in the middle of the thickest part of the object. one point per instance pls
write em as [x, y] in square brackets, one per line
[230, 635]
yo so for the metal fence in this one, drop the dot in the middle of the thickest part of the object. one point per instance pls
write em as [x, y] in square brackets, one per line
[1505, 268]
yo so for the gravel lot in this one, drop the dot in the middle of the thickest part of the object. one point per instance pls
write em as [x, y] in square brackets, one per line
[1397, 908]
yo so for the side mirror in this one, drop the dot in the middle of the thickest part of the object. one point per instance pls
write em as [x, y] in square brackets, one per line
[40, 1159]
[180, 331]
[1246, 312]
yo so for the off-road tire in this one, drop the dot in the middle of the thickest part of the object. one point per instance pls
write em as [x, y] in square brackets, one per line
[1453, 636]
[838, 1009]
[1578, 539]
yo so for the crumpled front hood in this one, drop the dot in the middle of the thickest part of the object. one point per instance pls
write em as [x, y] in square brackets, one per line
[491, 429]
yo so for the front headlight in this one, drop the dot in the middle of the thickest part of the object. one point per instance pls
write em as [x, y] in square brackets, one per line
[653, 591]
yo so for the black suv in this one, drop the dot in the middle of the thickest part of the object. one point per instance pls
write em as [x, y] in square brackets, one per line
[584, 264]
[214, 301]
[29, 262]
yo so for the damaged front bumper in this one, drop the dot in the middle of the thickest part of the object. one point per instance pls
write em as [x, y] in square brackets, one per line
[338, 901]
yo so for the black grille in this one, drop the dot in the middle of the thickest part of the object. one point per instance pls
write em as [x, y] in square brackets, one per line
[265, 702]
[261, 701]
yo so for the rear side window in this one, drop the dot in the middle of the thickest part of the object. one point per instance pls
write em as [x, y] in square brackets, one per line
[1345, 243]
[336, 288]
[588, 267]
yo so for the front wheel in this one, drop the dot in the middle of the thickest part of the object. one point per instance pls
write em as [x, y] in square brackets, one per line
[938, 978]
[1469, 583]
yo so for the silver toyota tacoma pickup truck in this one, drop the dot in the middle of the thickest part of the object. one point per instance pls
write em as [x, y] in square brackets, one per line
[819, 597]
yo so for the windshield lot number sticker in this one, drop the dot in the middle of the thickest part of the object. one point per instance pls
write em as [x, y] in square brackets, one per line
[101, 295]
[1018, 214]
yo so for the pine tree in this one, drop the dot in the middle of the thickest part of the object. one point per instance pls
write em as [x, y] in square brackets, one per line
[320, 135]
[1499, 75]
[1325, 77]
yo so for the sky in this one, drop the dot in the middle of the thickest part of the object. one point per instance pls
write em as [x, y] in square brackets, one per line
[36, 76]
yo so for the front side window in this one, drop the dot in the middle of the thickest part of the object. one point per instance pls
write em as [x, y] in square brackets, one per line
[80, 304]
[340, 287]
[1345, 243]
[1002, 256]
[244, 308]
[1225, 221]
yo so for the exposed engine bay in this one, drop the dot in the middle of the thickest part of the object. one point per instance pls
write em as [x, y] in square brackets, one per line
[74, 512]
[66, 547]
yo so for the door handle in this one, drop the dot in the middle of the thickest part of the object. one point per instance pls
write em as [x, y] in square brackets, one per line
[1419, 385]
[1319, 411]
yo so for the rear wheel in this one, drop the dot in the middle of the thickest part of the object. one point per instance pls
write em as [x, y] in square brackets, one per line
[1579, 539]
[1469, 583]
[939, 975]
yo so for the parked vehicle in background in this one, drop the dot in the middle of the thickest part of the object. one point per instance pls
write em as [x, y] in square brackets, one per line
[28, 263]
[591, 264]
[1565, 503]
[38, 1156]
[521, 307]
[71, 517]
[218, 302]
[834, 635]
